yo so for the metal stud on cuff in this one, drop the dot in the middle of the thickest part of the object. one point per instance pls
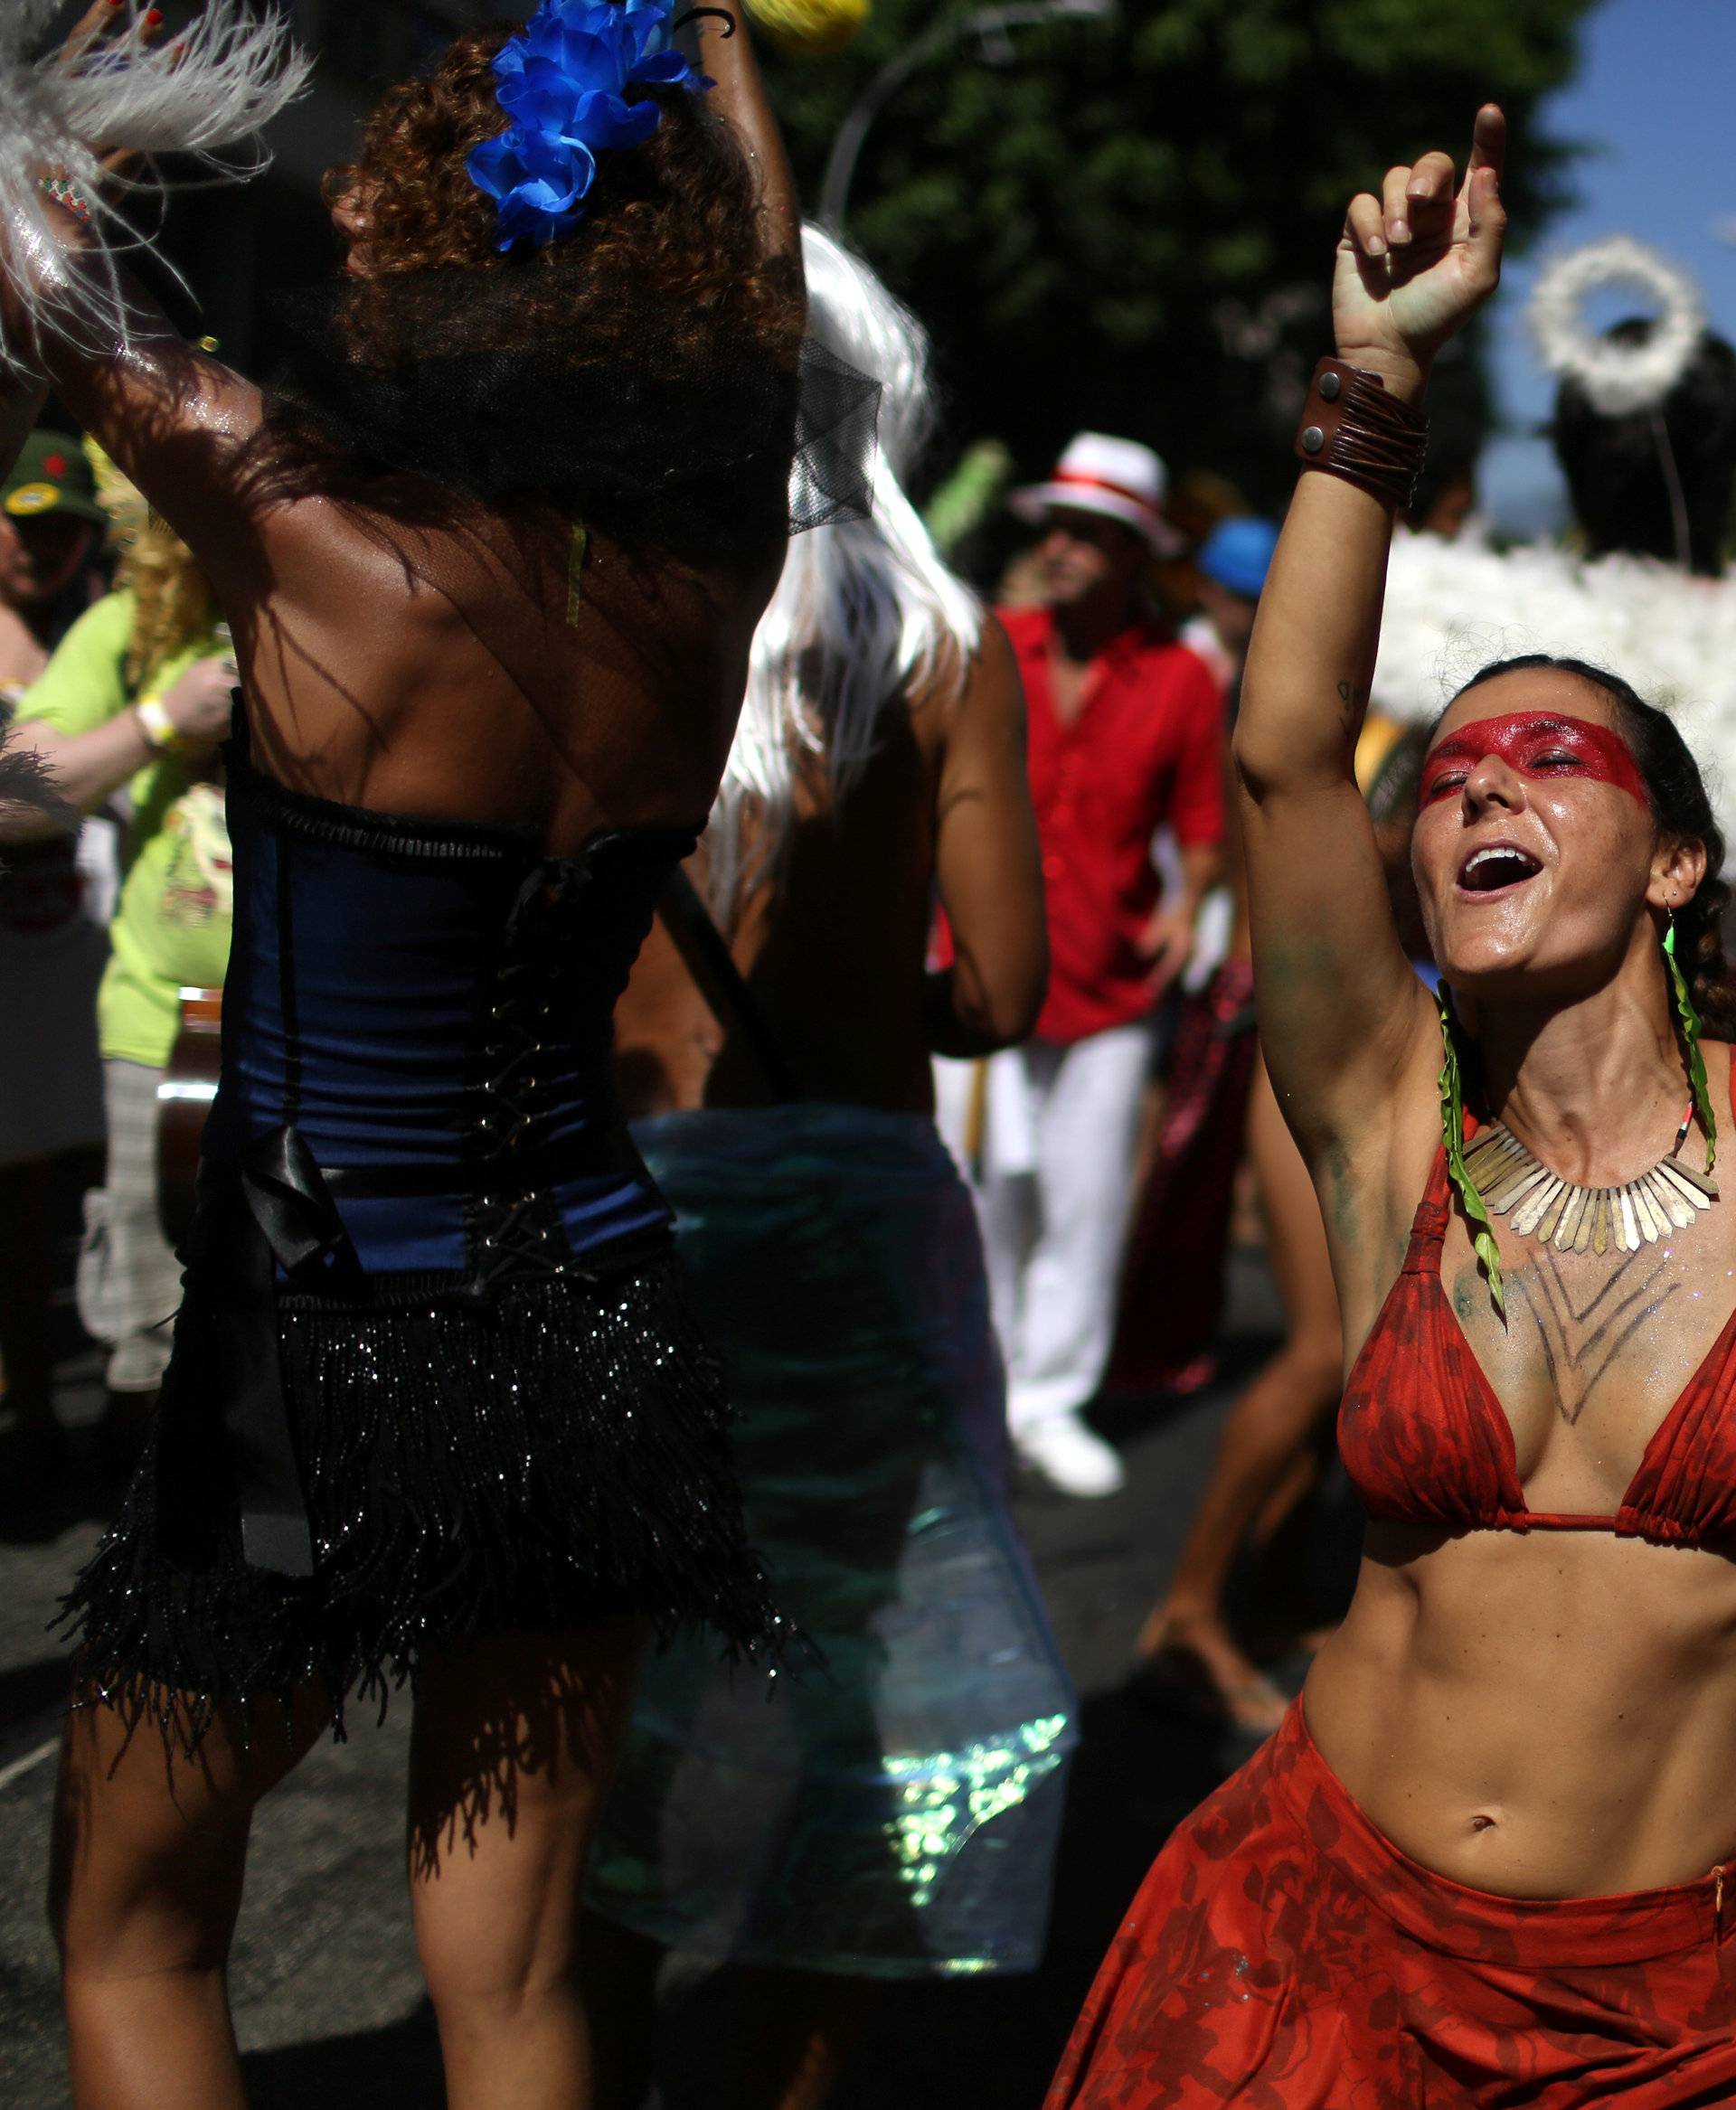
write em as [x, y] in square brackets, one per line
[1365, 435]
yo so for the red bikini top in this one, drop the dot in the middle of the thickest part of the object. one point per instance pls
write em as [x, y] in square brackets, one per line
[1425, 1441]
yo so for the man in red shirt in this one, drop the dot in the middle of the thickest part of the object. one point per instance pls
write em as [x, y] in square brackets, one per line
[1125, 741]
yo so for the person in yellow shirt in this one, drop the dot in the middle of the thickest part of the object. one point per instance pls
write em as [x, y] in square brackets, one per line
[137, 697]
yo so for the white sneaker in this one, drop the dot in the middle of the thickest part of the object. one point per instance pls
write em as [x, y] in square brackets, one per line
[1070, 1457]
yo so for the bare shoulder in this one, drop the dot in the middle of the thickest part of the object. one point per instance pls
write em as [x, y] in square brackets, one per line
[371, 644]
[994, 664]
[987, 695]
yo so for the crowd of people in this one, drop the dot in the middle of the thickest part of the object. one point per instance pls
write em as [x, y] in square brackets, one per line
[733, 1038]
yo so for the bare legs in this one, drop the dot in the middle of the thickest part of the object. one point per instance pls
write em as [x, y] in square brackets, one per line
[145, 1883]
[773, 2039]
[510, 1755]
[1265, 1434]
[513, 1745]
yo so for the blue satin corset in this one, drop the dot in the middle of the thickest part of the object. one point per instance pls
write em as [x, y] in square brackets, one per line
[425, 1007]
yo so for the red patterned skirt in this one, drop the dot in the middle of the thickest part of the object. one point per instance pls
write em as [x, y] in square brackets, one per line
[1284, 1956]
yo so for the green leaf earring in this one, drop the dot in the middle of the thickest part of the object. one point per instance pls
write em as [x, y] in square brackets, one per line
[1688, 1018]
[1452, 1137]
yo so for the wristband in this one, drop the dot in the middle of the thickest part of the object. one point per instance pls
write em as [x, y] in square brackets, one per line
[1352, 428]
[162, 735]
[68, 196]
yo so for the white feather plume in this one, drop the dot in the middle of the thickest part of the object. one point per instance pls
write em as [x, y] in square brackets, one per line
[201, 94]
[1618, 378]
[866, 612]
[1451, 607]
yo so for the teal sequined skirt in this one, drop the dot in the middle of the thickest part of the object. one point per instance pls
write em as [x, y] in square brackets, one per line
[896, 1813]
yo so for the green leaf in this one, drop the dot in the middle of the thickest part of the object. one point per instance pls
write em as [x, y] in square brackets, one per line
[1452, 1137]
[1688, 1017]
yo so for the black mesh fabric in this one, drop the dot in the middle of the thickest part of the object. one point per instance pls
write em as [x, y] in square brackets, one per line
[837, 447]
[676, 439]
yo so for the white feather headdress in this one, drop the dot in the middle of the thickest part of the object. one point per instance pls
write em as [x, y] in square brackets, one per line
[1451, 607]
[203, 94]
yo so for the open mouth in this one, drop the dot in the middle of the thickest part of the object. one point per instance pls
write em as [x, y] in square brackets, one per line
[1497, 867]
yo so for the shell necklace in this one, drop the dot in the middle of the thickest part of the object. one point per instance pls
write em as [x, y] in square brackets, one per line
[1577, 1219]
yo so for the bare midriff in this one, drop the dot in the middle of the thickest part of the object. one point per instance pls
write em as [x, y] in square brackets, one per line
[1544, 1714]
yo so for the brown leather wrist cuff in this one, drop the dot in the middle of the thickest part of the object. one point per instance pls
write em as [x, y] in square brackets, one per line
[1352, 427]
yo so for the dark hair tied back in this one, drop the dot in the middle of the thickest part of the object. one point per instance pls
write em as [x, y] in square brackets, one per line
[1681, 808]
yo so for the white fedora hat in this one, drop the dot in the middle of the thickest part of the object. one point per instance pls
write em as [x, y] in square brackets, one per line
[1118, 478]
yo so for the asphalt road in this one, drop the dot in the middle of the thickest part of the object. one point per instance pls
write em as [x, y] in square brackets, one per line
[328, 2001]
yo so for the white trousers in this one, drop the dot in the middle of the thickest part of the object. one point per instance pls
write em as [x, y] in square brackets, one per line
[1057, 1173]
[129, 1281]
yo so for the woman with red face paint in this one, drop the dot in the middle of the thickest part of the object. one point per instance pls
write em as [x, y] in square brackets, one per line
[1483, 1859]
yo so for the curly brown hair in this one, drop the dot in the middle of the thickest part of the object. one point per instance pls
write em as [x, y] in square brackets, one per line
[675, 220]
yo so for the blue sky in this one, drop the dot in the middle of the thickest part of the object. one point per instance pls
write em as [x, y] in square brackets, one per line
[1654, 103]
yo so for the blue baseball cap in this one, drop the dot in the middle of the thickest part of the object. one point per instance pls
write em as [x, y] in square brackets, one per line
[1238, 554]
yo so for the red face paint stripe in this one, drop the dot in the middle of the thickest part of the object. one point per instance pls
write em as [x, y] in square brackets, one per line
[1538, 744]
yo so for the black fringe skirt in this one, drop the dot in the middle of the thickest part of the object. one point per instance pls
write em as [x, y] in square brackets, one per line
[551, 1455]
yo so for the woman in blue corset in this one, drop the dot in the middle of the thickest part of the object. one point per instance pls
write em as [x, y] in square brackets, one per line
[437, 1411]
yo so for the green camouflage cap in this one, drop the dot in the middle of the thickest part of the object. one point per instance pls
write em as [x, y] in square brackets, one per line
[52, 475]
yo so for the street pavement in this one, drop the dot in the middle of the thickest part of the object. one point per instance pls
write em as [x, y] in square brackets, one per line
[328, 2002]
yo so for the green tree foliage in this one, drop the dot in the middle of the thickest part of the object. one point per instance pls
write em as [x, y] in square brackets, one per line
[1128, 223]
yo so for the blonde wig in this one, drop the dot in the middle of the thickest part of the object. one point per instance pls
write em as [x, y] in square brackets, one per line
[174, 608]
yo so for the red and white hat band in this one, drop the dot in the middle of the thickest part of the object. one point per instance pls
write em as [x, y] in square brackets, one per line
[1074, 479]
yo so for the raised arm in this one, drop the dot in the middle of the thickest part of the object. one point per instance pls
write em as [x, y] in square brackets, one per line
[1347, 1028]
[724, 50]
[988, 866]
[25, 256]
[173, 419]
[176, 421]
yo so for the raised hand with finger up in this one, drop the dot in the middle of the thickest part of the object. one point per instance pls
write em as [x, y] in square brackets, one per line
[1415, 263]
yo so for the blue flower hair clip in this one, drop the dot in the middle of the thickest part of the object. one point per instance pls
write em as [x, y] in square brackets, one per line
[563, 83]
